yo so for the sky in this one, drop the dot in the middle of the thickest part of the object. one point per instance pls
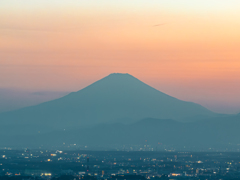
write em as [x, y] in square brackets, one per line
[188, 49]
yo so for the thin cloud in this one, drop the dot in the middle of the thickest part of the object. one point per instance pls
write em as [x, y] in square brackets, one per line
[46, 30]
[162, 24]
[15, 28]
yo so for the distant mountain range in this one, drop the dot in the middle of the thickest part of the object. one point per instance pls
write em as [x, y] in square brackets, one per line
[12, 99]
[216, 134]
[112, 110]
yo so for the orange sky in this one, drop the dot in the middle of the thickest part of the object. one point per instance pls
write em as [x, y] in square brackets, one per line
[187, 49]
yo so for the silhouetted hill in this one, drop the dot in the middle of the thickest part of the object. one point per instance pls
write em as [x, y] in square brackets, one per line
[213, 133]
[115, 98]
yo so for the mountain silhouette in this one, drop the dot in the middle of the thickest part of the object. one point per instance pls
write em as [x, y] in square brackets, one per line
[115, 98]
[217, 133]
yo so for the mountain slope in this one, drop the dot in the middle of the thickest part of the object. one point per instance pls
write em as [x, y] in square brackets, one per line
[115, 98]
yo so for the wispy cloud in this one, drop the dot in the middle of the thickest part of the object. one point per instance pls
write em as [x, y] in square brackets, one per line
[161, 24]
[41, 29]
[25, 29]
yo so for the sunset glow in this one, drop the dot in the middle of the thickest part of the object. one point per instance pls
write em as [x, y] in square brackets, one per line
[187, 49]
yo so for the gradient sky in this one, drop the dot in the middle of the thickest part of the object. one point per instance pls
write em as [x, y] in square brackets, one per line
[189, 49]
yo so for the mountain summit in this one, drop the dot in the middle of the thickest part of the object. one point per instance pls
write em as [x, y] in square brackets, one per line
[115, 98]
